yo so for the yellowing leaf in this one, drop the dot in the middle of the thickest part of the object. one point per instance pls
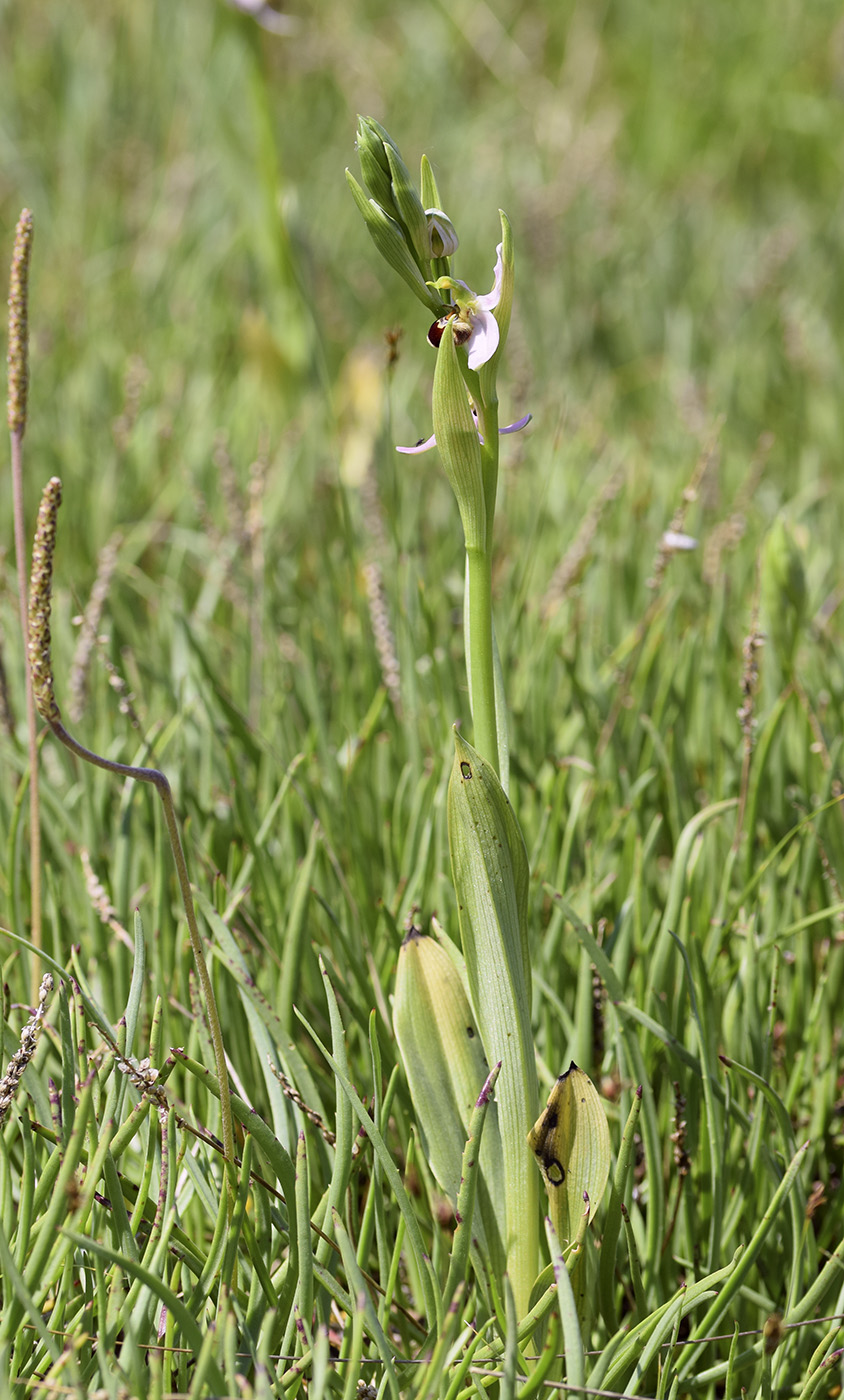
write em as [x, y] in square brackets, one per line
[571, 1143]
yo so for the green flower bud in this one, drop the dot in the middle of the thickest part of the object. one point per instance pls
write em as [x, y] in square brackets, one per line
[374, 166]
[409, 205]
[391, 243]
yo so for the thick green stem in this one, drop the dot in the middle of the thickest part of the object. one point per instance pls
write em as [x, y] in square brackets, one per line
[488, 413]
[479, 653]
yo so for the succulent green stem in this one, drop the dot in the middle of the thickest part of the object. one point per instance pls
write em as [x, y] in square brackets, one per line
[480, 665]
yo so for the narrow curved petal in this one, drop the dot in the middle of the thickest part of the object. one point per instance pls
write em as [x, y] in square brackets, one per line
[517, 426]
[423, 445]
[483, 342]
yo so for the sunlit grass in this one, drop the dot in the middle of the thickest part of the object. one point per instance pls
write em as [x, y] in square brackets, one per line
[674, 188]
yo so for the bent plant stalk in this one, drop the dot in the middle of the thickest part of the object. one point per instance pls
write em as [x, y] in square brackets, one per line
[40, 659]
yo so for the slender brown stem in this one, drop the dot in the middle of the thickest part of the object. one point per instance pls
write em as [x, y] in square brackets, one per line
[18, 384]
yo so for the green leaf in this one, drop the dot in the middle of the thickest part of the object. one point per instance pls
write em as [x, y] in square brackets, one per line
[457, 440]
[444, 1061]
[571, 1143]
[490, 871]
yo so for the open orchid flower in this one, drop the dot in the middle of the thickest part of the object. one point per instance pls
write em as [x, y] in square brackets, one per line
[425, 444]
[472, 322]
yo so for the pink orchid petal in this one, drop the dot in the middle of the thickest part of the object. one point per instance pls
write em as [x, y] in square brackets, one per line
[517, 426]
[483, 342]
[511, 427]
[490, 300]
[672, 539]
[424, 445]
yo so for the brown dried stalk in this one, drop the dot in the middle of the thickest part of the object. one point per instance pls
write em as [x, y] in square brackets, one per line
[17, 359]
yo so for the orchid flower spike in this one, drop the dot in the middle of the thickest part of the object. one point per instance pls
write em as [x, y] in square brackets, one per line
[471, 322]
[425, 444]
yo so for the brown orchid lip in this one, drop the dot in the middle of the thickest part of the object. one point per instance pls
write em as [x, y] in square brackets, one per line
[435, 334]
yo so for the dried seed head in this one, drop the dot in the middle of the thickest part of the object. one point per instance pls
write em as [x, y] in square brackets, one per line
[773, 1333]
[682, 1161]
[17, 355]
[28, 1041]
[40, 588]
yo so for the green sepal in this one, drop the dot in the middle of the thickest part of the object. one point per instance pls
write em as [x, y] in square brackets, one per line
[488, 372]
[391, 243]
[457, 440]
[428, 186]
[411, 213]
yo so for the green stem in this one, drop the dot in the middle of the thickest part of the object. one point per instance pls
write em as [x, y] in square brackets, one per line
[480, 647]
[489, 464]
[479, 653]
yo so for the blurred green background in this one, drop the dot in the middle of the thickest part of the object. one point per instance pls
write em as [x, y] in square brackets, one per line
[673, 173]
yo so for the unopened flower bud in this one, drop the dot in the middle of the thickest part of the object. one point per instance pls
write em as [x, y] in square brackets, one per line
[442, 235]
[374, 166]
[411, 215]
[391, 242]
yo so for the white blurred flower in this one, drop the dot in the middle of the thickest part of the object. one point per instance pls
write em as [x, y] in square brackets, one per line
[265, 15]
[673, 540]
